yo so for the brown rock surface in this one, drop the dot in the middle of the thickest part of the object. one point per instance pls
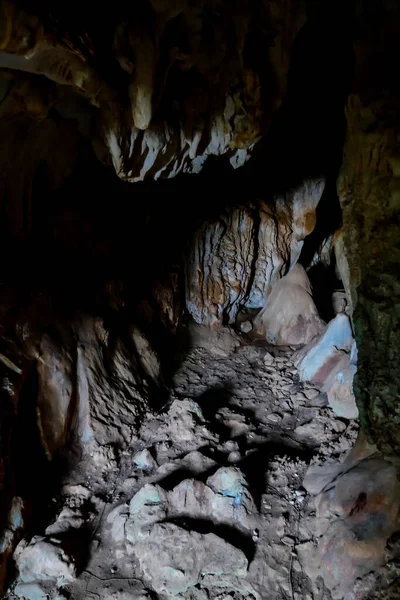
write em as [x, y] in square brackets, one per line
[235, 259]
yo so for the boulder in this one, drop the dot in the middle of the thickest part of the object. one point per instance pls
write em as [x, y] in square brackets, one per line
[42, 561]
[289, 316]
[30, 591]
[363, 507]
[357, 506]
[317, 360]
[144, 461]
[174, 559]
[224, 499]
[341, 395]
[184, 426]
[148, 506]
[329, 362]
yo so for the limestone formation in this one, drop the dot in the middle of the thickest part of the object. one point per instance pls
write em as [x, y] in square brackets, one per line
[41, 562]
[168, 176]
[235, 259]
[203, 74]
[289, 316]
[330, 363]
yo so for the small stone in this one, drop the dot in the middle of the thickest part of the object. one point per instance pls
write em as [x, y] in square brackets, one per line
[296, 566]
[234, 457]
[274, 418]
[310, 393]
[268, 359]
[231, 446]
[288, 541]
[144, 460]
[288, 387]
[245, 327]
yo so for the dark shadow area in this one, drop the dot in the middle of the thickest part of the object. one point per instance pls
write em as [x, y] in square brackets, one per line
[329, 220]
[255, 465]
[306, 137]
[256, 456]
[76, 543]
[175, 478]
[37, 479]
[324, 283]
[237, 538]
[215, 399]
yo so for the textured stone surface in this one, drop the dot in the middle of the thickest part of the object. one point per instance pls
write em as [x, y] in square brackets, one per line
[369, 193]
[174, 559]
[357, 506]
[235, 259]
[217, 485]
[340, 393]
[363, 506]
[317, 360]
[196, 62]
[224, 499]
[330, 363]
[43, 561]
[289, 316]
[73, 373]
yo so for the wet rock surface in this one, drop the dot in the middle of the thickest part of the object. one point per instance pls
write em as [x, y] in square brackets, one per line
[207, 501]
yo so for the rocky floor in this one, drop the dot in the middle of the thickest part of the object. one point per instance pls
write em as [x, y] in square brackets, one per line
[207, 502]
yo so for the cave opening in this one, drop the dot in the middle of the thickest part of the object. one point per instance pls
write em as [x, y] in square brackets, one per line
[199, 300]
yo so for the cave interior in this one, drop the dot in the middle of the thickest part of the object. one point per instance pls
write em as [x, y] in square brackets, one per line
[200, 300]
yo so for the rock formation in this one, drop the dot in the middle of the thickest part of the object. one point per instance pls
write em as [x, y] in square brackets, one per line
[357, 506]
[368, 191]
[172, 223]
[289, 316]
[235, 259]
[194, 62]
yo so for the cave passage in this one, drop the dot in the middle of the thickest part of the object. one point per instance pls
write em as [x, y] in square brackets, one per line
[199, 300]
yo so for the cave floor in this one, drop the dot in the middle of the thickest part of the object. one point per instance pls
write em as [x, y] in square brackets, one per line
[225, 457]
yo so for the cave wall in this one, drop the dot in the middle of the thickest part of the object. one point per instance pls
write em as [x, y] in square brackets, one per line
[369, 193]
[93, 291]
[235, 259]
